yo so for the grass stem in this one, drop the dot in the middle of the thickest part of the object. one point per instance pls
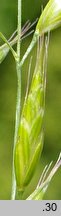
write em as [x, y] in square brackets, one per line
[18, 103]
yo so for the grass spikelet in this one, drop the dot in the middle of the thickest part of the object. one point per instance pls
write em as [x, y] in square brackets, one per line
[30, 136]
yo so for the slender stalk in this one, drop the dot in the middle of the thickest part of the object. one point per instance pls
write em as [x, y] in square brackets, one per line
[18, 104]
[29, 49]
[19, 29]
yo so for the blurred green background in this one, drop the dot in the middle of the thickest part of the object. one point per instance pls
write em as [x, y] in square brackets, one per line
[8, 85]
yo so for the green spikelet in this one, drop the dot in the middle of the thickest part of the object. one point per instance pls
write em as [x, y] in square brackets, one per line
[30, 136]
[45, 180]
[50, 17]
